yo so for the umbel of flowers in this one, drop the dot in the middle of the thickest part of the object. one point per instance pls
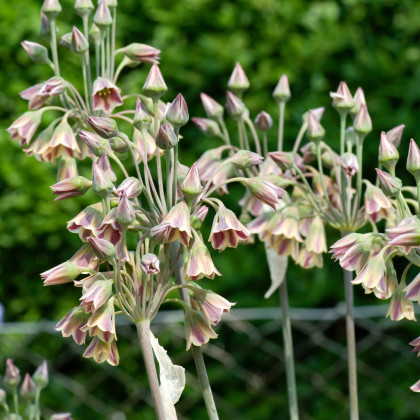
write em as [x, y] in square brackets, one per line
[141, 238]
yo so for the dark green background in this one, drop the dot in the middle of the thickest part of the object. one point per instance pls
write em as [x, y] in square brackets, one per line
[373, 44]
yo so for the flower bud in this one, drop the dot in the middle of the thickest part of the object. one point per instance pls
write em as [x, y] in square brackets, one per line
[79, 43]
[104, 249]
[243, 159]
[342, 99]
[395, 134]
[51, 9]
[388, 154]
[315, 130]
[95, 34]
[83, 7]
[282, 91]
[265, 191]
[284, 160]
[40, 377]
[101, 183]
[12, 376]
[28, 388]
[263, 121]
[65, 40]
[213, 109]
[413, 160]
[238, 82]
[317, 112]
[112, 4]
[102, 18]
[362, 123]
[155, 85]
[124, 214]
[358, 101]
[97, 145]
[191, 186]
[390, 185]
[62, 273]
[71, 187]
[105, 165]
[235, 107]
[166, 137]
[142, 118]
[349, 164]
[141, 53]
[105, 127]
[37, 53]
[150, 264]
[209, 127]
[131, 187]
[45, 30]
[177, 113]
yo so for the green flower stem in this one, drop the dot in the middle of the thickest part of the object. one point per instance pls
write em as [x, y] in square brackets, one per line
[229, 181]
[103, 54]
[175, 170]
[343, 117]
[225, 131]
[114, 25]
[244, 134]
[282, 106]
[37, 407]
[265, 144]
[87, 60]
[54, 46]
[351, 344]
[143, 331]
[108, 53]
[254, 134]
[299, 137]
[196, 351]
[88, 98]
[158, 162]
[16, 400]
[288, 352]
[418, 193]
[97, 59]
[358, 198]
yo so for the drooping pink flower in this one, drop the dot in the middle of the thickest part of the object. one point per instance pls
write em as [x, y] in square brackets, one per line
[63, 273]
[106, 95]
[72, 324]
[197, 330]
[102, 351]
[406, 234]
[377, 204]
[400, 307]
[87, 221]
[150, 264]
[24, 128]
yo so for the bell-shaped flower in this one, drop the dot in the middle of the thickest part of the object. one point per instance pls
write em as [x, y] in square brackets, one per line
[67, 168]
[106, 95]
[97, 295]
[413, 289]
[131, 187]
[212, 305]
[71, 187]
[104, 319]
[315, 240]
[198, 217]
[400, 307]
[199, 263]
[24, 128]
[104, 249]
[86, 222]
[63, 142]
[373, 272]
[110, 229]
[34, 97]
[286, 224]
[102, 351]
[265, 191]
[175, 226]
[307, 259]
[227, 230]
[63, 273]
[377, 204]
[85, 257]
[406, 234]
[72, 324]
[197, 330]
[285, 246]
[149, 264]
[349, 164]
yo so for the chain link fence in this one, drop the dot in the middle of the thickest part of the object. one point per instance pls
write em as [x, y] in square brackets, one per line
[245, 366]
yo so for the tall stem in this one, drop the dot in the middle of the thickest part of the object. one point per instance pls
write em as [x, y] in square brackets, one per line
[114, 24]
[196, 351]
[16, 401]
[288, 352]
[37, 407]
[351, 345]
[282, 106]
[54, 47]
[87, 58]
[143, 331]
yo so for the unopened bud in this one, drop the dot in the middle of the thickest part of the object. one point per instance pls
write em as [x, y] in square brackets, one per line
[177, 113]
[191, 185]
[83, 7]
[362, 123]
[79, 43]
[103, 248]
[140, 53]
[97, 145]
[40, 377]
[124, 214]
[28, 388]
[390, 185]
[213, 109]
[282, 91]
[142, 118]
[37, 53]
[105, 127]
[155, 85]
[285, 160]
[51, 8]
[243, 159]
[65, 40]
[102, 18]
[105, 165]
[209, 127]
[413, 160]
[45, 30]
[342, 99]
[358, 101]
[263, 121]
[12, 376]
[395, 134]
[315, 130]
[166, 137]
[238, 82]
[101, 183]
[95, 34]
[235, 107]
[388, 154]
[71, 187]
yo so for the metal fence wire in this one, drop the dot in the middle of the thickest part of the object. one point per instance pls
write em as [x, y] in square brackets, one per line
[245, 366]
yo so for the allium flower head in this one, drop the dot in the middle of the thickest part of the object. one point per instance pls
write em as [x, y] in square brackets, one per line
[106, 95]
[199, 262]
[227, 230]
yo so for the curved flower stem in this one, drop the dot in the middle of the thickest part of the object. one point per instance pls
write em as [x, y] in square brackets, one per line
[351, 344]
[158, 161]
[250, 124]
[225, 132]
[299, 137]
[288, 352]
[143, 331]
[196, 351]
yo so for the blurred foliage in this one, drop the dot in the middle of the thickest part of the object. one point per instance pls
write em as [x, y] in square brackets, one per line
[317, 44]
